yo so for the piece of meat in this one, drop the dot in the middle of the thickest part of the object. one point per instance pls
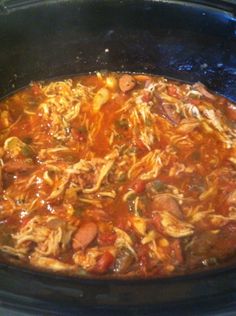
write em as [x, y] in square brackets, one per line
[157, 106]
[172, 91]
[104, 263]
[126, 83]
[198, 248]
[202, 89]
[171, 114]
[164, 202]
[123, 261]
[172, 226]
[84, 236]
[209, 249]
[17, 165]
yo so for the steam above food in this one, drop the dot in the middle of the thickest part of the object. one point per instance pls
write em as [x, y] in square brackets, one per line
[122, 175]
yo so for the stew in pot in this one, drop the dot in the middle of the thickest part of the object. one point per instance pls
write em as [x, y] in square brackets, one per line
[119, 175]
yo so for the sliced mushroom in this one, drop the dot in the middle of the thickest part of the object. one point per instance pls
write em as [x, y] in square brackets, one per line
[18, 165]
[123, 261]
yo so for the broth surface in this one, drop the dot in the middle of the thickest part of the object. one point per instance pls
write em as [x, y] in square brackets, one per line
[117, 174]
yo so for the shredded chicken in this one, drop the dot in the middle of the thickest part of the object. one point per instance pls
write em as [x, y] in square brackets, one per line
[174, 227]
[151, 163]
[46, 263]
[49, 241]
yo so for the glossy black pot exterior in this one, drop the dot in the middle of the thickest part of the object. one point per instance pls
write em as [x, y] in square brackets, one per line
[180, 39]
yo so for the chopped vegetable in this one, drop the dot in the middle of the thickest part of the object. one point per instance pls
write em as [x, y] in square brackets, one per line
[100, 98]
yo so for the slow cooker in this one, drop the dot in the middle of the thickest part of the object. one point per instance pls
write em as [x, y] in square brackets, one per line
[186, 40]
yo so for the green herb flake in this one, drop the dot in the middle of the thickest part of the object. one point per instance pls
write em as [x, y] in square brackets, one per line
[82, 130]
[131, 197]
[123, 124]
[196, 155]
[148, 122]
[78, 211]
[122, 177]
[132, 150]
[27, 140]
[27, 151]
[158, 185]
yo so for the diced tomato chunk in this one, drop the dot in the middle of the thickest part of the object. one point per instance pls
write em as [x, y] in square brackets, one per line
[177, 250]
[157, 223]
[106, 239]
[143, 255]
[140, 144]
[172, 91]
[122, 222]
[78, 135]
[194, 101]
[36, 89]
[104, 263]
[139, 186]
[146, 97]
[24, 221]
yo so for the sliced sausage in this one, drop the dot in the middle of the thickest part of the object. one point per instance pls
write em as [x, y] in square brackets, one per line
[104, 263]
[126, 83]
[17, 166]
[84, 236]
[167, 203]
